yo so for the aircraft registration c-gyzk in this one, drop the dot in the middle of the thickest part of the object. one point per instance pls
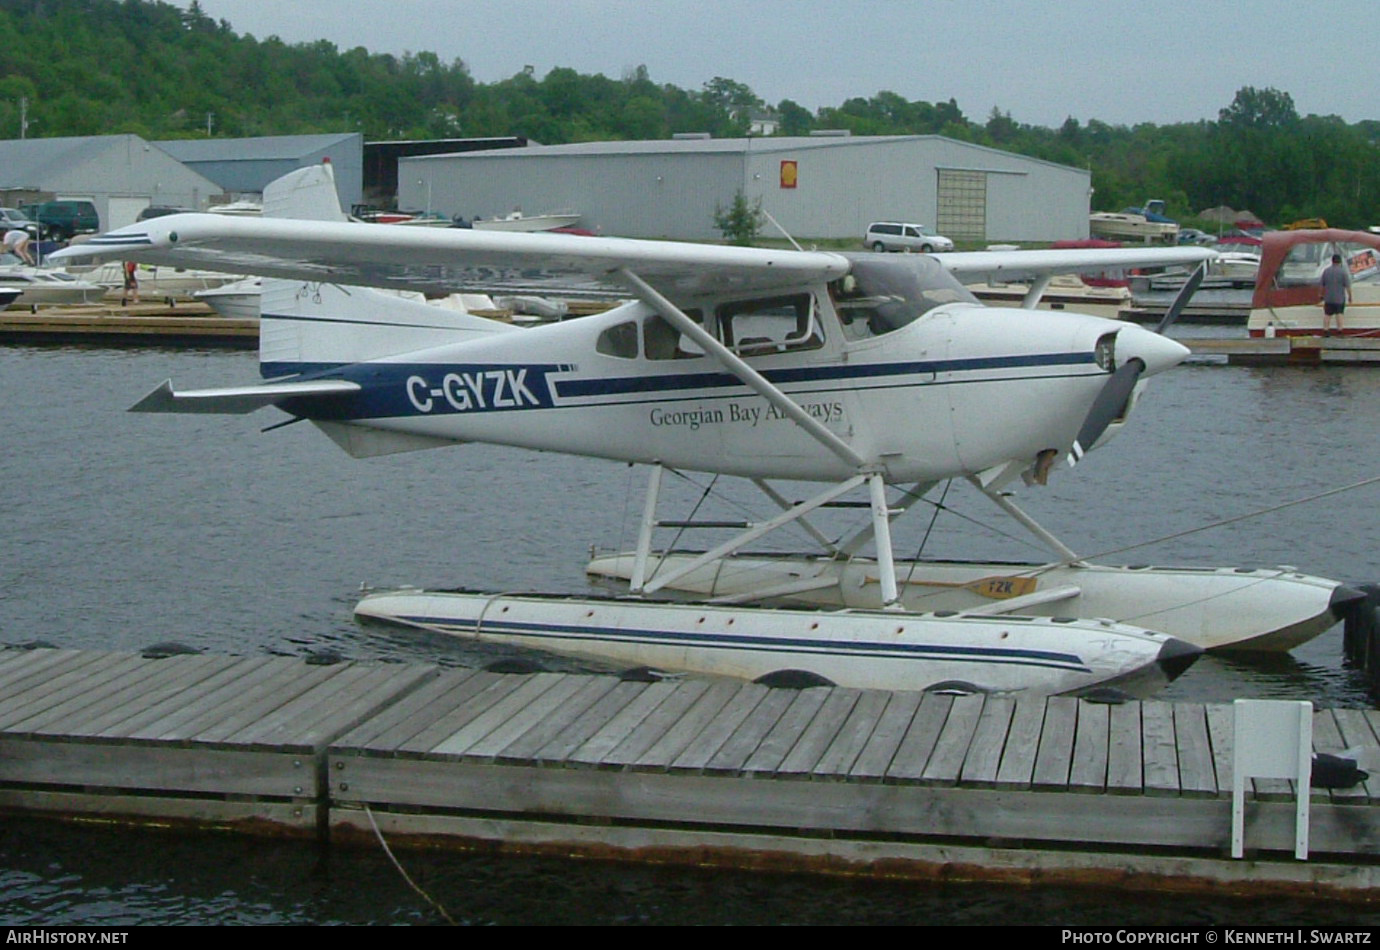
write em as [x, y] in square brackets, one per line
[865, 372]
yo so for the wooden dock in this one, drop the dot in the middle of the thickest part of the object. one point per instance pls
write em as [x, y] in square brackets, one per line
[710, 772]
[1291, 350]
[158, 324]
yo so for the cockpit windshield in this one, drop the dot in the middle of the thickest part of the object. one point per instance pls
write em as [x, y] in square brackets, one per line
[884, 292]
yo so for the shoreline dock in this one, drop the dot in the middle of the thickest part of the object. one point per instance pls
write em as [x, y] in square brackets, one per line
[686, 770]
[191, 323]
[164, 322]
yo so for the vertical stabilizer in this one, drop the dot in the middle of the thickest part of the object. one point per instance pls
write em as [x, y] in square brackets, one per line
[307, 194]
[306, 326]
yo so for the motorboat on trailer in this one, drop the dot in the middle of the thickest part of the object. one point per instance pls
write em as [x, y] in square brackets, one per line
[1288, 298]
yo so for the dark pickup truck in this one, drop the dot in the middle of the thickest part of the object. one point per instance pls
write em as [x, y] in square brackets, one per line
[60, 220]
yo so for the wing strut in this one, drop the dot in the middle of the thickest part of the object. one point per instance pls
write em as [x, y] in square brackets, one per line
[735, 365]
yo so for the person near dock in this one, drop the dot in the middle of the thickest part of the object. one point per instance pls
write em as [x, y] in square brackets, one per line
[17, 243]
[131, 291]
[1336, 285]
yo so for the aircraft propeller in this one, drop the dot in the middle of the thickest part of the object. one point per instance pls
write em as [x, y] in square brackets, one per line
[1111, 401]
[1185, 294]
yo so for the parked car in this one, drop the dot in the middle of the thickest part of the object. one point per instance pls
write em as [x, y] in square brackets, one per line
[1194, 236]
[11, 218]
[63, 219]
[158, 211]
[899, 236]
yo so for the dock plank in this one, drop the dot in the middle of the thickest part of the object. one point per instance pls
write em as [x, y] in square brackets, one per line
[815, 740]
[1197, 774]
[710, 739]
[1125, 765]
[946, 761]
[983, 761]
[557, 721]
[171, 678]
[733, 756]
[1017, 768]
[852, 737]
[526, 690]
[285, 679]
[66, 684]
[533, 711]
[394, 726]
[1054, 758]
[1159, 748]
[321, 712]
[108, 696]
[913, 757]
[786, 732]
[484, 690]
[696, 718]
[590, 724]
[642, 732]
[1088, 770]
[1221, 736]
[885, 742]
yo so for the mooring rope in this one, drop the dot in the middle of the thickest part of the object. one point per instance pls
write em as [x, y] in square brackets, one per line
[1245, 517]
[410, 883]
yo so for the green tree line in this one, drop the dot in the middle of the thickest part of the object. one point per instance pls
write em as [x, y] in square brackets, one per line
[93, 67]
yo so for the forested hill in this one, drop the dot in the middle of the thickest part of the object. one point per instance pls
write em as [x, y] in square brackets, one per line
[91, 67]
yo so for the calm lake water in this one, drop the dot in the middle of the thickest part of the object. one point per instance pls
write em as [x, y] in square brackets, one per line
[125, 530]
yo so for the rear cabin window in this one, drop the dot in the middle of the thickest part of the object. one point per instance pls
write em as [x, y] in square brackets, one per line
[660, 340]
[770, 325]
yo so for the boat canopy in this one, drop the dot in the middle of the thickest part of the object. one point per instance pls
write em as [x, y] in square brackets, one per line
[1274, 286]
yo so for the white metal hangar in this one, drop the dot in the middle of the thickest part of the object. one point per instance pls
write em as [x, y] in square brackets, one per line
[816, 187]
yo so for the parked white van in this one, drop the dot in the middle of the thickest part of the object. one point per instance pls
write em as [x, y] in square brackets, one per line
[898, 236]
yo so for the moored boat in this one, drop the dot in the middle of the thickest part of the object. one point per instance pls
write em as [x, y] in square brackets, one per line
[41, 287]
[517, 221]
[1288, 297]
[1132, 227]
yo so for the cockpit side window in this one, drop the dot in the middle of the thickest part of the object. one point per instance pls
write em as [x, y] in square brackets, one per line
[770, 325]
[661, 341]
[618, 340]
[883, 293]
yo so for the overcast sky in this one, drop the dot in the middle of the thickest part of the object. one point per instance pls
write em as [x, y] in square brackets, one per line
[1042, 61]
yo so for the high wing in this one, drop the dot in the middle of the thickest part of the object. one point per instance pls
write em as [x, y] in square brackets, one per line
[1006, 266]
[448, 260]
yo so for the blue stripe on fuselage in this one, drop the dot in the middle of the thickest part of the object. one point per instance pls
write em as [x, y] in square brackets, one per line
[392, 390]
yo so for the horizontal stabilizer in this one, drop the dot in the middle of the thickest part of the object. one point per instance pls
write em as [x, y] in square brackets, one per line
[238, 399]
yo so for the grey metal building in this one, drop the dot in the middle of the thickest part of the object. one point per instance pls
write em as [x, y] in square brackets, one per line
[244, 166]
[120, 174]
[816, 187]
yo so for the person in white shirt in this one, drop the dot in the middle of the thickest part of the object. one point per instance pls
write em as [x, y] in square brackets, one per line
[17, 243]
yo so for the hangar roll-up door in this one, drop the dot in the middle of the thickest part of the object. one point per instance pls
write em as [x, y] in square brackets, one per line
[962, 213]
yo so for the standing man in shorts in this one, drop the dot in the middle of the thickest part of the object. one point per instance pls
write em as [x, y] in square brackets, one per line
[1336, 285]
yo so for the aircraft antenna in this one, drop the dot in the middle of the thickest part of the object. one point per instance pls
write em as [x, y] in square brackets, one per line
[777, 224]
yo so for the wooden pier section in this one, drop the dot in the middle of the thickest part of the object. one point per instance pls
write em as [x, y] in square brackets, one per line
[157, 324]
[703, 771]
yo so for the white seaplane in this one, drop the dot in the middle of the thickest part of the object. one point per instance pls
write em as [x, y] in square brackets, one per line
[863, 371]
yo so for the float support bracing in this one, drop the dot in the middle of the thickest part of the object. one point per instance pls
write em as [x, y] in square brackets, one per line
[644, 533]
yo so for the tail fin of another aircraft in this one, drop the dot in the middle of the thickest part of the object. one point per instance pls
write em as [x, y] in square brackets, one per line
[305, 326]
